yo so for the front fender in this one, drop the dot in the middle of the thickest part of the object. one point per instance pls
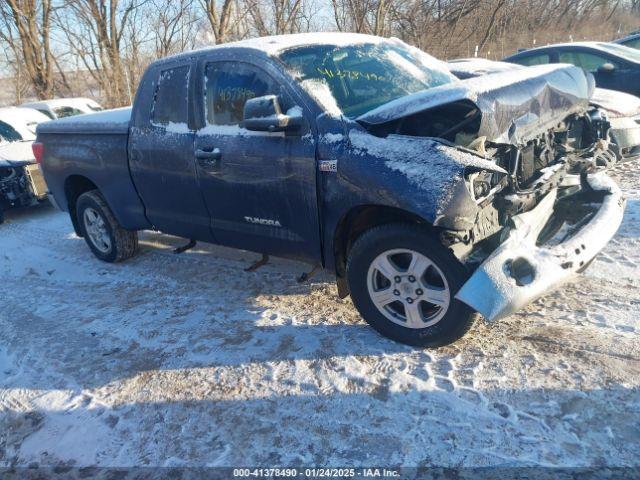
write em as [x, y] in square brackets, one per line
[417, 174]
[423, 177]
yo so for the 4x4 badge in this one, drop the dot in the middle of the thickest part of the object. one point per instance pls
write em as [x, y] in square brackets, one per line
[328, 165]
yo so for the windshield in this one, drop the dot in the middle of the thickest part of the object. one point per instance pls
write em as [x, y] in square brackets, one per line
[8, 133]
[627, 53]
[359, 78]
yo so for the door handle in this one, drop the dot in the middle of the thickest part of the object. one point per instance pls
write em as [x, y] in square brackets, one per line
[208, 157]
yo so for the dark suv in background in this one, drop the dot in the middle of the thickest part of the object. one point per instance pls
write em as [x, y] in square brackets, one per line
[614, 66]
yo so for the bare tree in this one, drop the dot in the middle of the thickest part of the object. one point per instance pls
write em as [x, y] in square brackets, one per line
[365, 16]
[174, 25]
[277, 17]
[21, 85]
[26, 30]
[103, 46]
[220, 18]
[95, 29]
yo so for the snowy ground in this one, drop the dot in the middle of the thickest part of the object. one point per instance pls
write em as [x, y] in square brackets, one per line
[188, 360]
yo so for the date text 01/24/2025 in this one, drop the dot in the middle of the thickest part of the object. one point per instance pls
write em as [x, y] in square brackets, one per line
[316, 472]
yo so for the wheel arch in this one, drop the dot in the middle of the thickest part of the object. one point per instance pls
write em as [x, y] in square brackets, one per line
[358, 220]
[74, 186]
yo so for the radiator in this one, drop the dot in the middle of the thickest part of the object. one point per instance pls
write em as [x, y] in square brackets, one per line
[36, 181]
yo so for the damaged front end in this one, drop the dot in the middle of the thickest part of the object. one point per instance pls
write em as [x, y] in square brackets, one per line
[20, 186]
[546, 245]
[526, 228]
[21, 181]
[543, 222]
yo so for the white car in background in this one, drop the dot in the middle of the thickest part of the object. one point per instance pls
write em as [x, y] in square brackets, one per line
[21, 181]
[19, 124]
[64, 107]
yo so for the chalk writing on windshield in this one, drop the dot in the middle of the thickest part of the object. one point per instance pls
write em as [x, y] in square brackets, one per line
[349, 74]
[234, 94]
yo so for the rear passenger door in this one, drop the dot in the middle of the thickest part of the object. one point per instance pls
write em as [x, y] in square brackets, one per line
[260, 187]
[161, 154]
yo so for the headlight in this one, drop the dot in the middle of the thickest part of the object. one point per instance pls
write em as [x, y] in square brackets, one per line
[481, 183]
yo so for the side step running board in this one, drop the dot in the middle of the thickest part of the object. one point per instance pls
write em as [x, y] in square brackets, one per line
[184, 248]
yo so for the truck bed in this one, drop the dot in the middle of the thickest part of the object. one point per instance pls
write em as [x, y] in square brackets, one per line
[107, 122]
[92, 147]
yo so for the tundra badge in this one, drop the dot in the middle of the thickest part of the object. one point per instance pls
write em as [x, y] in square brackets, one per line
[263, 221]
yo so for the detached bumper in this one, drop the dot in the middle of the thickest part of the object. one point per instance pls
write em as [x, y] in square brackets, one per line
[519, 271]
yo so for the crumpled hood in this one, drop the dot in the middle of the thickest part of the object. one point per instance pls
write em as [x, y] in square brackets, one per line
[515, 106]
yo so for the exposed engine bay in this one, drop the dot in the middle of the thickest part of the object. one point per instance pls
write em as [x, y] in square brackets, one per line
[539, 165]
[542, 221]
[575, 147]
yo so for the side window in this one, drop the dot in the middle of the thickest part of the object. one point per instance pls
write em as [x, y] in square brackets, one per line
[633, 43]
[229, 85]
[588, 61]
[534, 60]
[171, 97]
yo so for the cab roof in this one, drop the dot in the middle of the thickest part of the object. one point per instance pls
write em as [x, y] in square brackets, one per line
[272, 45]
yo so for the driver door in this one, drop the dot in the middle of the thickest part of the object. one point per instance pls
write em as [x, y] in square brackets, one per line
[259, 187]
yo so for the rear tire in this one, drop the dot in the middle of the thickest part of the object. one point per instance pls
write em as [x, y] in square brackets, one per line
[106, 238]
[412, 302]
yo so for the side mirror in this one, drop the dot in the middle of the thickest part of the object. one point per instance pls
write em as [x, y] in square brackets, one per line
[606, 68]
[263, 114]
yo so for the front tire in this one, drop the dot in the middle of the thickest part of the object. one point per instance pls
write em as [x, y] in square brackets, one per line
[403, 283]
[106, 238]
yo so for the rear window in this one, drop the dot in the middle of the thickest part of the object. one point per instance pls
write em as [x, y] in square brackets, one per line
[62, 112]
[170, 101]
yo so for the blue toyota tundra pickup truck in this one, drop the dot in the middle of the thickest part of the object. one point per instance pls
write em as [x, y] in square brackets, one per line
[430, 198]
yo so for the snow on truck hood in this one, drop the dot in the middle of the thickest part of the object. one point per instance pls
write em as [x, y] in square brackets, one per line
[514, 105]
